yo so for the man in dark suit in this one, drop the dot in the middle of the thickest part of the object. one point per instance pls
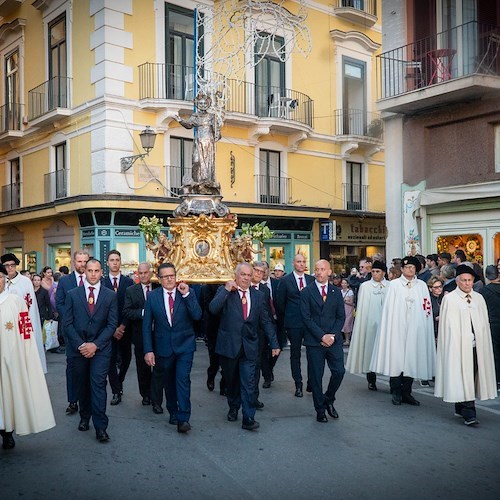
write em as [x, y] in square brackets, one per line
[133, 312]
[121, 343]
[89, 322]
[288, 308]
[323, 313]
[242, 311]
[170, 340]
[65, 284]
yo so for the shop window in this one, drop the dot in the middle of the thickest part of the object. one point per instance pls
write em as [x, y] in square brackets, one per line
[86, 219]
[60, 255]
[496, 247]
[130, 256]
[304, 250]
[471, 244]
[103, 218]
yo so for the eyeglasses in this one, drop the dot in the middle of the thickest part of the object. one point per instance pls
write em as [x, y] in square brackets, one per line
[435, 287]
[167, 277]
[9, 265]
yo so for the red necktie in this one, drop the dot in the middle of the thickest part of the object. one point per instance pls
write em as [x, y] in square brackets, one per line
[147, 291]
[91, 300]
[244, 304]
[171, 305]
[81, 280]
[115, 284]
[301, 283]
[323, 292]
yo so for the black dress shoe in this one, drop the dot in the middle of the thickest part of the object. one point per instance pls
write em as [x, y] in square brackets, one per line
[157, 408]
[116, 399]
[249, 424]
[321, 417]
[84, 424]
[173, 420]
[331, 410]
[259, 405]
[8, 440]
[396, 399]
[183, 427]
[266, 384]
[72, 408]
[210, 384]
[232, 415]
[372, 387]
[146, 401]
[410, 400]
[298, 391]
[101, 436]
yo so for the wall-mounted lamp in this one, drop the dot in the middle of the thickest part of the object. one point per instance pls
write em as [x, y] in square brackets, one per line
[148, 137]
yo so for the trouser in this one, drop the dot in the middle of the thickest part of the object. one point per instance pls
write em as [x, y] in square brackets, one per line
[158, 387]
[468, 408]
[121, 355]
[90, 381]
[401, 385]
[316, 357]
[239, 374]
[295, 336]
[259, 362]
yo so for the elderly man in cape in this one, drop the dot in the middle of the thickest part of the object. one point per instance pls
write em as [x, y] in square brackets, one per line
[24, 399]
[465, 368]
[404, 347]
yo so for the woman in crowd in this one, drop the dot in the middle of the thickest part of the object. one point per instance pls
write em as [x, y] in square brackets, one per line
[348, 296]
[42, 298]
[394, 273]
[435, 285]
[47, 278]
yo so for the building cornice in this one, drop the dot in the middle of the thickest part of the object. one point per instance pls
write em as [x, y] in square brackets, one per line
[355, 36]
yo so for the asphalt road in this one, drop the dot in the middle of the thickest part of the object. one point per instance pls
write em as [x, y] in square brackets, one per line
[374, 450]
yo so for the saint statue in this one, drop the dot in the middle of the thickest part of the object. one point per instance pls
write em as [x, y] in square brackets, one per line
[206, 124]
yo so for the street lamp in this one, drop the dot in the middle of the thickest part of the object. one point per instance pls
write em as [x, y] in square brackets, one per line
[148, 137]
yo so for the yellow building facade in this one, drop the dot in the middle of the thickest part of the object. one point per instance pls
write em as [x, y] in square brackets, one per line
[301, 148]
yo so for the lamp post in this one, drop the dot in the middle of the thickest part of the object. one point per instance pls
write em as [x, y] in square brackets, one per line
[148, 137]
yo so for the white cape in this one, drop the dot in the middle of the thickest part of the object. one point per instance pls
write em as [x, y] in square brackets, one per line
[405, 339]
[371, 297]
[455, 363]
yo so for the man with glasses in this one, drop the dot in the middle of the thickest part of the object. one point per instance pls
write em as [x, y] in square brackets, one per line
[404, 348]
[21, 286]
[170, 341]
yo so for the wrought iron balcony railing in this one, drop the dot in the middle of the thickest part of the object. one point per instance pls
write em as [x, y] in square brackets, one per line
[177, 176]
[56, 185]
[170, 81]
[368, 6]
[52, 94]
[10, 117]
[274, 190]
[358, 122]
[355, 196]
[11, 196]
[471, 48]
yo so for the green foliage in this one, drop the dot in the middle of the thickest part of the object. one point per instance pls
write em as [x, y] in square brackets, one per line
[259, 231]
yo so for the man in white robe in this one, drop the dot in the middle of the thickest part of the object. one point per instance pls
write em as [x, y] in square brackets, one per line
[405, 347]
[371, 297]
[23, 287]
[465, 367]
[24, 399]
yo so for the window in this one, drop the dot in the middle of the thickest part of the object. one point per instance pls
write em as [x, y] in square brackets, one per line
[58, 70]
[272, 187]
[11, 193]
[354, 192]
[12, 113]
[180, 46]
[269, 77]
[181, 153]
[354, 97]
[61, 190]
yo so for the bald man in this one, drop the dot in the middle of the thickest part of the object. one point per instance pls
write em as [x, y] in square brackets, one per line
[323, 314]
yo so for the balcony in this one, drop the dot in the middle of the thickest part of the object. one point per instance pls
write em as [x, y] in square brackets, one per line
[274, 190]
[362, 12]
[49, 101]
[355, 196]
[56, 185]
[286, 109]
[11, 196]
[177, 176]
[10, 120]
[359, 125]
[459, 64]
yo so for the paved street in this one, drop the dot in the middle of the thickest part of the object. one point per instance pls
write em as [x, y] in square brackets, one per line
[375, 450]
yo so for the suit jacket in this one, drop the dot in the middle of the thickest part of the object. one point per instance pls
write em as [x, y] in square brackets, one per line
[81, 326]
[133, 310]
[123, 284]
[64, 285]
[176, 339]
[321, 316]
[287, 300]
[235, 332]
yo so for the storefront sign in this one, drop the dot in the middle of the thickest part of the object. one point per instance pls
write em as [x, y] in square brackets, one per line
[366, 230]
[281, 236]
[104, 232]
[301, 236]
[327, 231]
[127, 232]
[88, 233]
